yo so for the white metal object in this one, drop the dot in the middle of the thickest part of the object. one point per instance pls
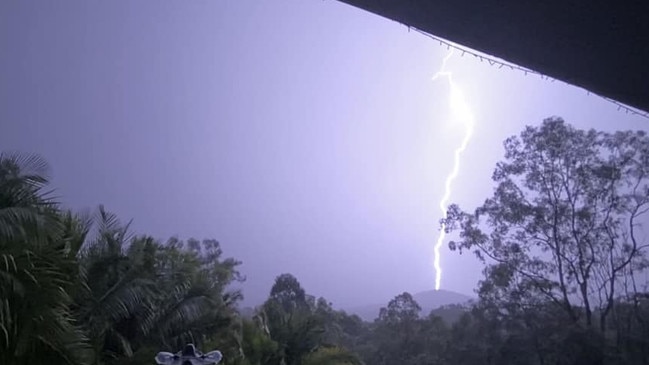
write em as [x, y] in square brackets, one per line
[188, 356]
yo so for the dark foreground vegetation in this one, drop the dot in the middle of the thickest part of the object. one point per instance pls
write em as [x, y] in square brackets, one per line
[562, 240]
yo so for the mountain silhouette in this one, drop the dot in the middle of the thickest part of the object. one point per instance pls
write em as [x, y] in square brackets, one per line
[428, 301]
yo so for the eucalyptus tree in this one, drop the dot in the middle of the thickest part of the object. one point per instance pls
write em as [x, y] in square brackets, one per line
[564, 222]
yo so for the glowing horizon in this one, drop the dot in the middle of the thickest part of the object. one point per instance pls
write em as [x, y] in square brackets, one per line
[461, 113]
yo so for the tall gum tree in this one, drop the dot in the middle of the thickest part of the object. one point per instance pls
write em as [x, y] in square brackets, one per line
[564, 223]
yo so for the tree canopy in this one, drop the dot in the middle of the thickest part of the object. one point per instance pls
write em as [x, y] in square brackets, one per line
[561, 239]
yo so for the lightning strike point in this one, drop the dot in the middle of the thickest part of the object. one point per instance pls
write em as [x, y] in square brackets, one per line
[461, 113]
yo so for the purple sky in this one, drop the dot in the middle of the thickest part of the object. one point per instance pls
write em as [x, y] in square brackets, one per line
[305, 135]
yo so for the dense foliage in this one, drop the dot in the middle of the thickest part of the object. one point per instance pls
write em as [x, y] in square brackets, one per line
[561, 239]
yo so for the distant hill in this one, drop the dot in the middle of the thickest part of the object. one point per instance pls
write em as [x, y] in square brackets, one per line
[428, 301]
[450, 313]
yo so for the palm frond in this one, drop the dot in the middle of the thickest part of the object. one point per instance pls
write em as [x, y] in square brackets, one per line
[107, 222]
[22, 178]
[184, 312]
[64, 338]
[22, 164]
[76, 228]
[35, 310]
[22, 223]
[123, 343]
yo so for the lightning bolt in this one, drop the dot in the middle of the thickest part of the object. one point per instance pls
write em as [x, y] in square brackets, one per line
[461, 114]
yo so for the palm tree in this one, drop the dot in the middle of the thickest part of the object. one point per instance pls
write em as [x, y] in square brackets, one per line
[81, 290]
[37, 273]
[118, 296]
[143, 296]
[193, 304]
